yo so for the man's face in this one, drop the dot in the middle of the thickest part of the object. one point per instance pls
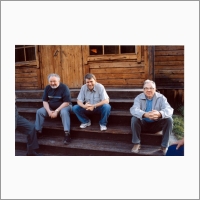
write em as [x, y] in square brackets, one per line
[149, 90]
[53, 82]
[90, 83]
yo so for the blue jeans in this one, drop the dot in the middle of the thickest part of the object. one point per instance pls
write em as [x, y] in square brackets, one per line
[82, 113]
[26, 127]
[41, 114]
[172, 151]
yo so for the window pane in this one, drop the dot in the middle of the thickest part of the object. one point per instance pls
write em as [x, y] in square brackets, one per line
[127, 49]
[19, 55]
[111, 49]
[30, 53]
[96, 50]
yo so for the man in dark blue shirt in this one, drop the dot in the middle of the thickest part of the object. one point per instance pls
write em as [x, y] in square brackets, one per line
[56, 101]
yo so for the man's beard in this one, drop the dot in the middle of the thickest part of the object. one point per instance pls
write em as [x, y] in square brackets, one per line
[54, 86]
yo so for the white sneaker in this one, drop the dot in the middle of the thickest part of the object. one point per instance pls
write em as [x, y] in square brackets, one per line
[85, 125]
[103, 128]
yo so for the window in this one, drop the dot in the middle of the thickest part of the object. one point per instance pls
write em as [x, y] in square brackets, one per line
[110, 49]
[26, 54]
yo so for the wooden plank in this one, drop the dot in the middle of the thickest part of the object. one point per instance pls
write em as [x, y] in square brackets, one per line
[168, 58]
[117, 70]
[27, 63]
[139, 54]
[27, 75]
[115, 65]
[72, 66]
[170, 63]
[26, 80]
[170, 71]
[101, 76]
[146, 67]
[169, 47]
[173, 76]
[169, 53]
[112, 57]
[20, 70]
[85, 52]
[120, 82]
[169, 67]
[92, 144]
[23, 85]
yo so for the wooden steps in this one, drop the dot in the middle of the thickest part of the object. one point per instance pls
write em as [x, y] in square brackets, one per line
[95, 146]
[116, 140]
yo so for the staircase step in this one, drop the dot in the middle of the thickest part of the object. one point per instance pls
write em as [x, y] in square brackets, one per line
[54, 146]
[116, 104]
[112, 93]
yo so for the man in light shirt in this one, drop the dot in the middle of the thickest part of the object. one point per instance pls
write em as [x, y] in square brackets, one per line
[92, 99]
[151, 113]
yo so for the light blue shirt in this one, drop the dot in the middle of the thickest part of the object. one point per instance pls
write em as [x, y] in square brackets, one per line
[93, 97]
[148, 108]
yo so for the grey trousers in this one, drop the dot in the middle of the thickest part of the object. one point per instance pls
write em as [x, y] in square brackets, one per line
[26, 127]
[41, 114]
[164, 125]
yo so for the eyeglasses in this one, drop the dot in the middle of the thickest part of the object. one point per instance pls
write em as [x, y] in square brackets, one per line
[148, 88]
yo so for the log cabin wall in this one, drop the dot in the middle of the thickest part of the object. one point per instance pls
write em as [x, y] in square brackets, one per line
[169, 73]
[27, 71]
[121, 71]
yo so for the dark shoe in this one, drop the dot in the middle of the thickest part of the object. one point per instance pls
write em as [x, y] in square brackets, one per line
[34, 153]
[67, 139]
[39, 134]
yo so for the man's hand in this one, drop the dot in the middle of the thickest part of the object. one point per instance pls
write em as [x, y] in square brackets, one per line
[153, 115]
[53, 114]
[179, 143]
[89, 106]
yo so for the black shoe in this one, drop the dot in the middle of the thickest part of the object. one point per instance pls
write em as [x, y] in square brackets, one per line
[67, 139]
[39, 134]
[34, 153]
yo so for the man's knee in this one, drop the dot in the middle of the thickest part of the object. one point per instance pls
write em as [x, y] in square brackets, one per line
[75, 108]
[134, 120]
[168, 121]
[106, 107]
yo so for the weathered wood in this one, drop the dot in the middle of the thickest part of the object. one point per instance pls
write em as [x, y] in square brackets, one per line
[26, 79]
[72, 66]
[168, 58]
[117, 70]
[119, 76]
[112, 57]
[173, 62]
[27, 75]
[27, 64]
[92, 144]
[168, 47]
[146, 67]
[85, 51]
[169, 53]
[116, 65]
[151, 55]
[139, 54]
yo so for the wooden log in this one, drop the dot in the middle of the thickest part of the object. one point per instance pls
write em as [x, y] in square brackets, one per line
[115, 64]
[169, 47]
[112, 57]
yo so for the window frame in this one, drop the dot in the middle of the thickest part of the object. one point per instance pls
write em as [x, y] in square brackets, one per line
[32, 63]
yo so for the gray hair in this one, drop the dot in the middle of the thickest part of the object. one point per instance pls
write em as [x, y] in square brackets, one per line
[89, 76]
[149, 81]
[54, 75]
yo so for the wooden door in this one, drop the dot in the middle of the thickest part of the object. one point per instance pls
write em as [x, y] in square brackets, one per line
[65, 60]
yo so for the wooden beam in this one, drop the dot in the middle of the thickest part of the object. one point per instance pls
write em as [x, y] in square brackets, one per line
[139, 54]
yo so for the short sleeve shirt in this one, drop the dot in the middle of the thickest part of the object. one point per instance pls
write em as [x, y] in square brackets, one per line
[55, 97]
[95, 96]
